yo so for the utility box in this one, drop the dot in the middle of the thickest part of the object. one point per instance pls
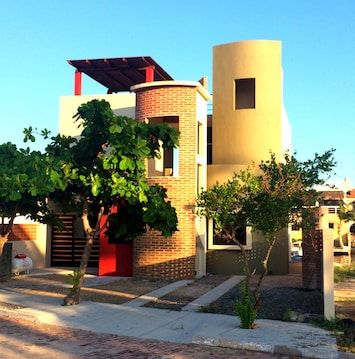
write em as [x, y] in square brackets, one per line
[21, 263]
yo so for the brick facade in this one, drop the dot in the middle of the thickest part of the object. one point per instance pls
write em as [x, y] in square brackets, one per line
[312, 246]
[156, 256]
[24, 231]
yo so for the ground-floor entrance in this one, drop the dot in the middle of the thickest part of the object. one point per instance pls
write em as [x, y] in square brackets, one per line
[68, 243]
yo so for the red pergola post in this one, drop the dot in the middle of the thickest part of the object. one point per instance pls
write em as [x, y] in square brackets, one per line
[77, 83]
[149, 74]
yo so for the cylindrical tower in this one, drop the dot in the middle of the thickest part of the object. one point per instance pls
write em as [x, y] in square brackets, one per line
[247, 102]
[182, 104]
[248, 122]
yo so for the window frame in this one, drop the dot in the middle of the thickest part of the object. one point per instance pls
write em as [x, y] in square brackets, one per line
[228, 247]
[168, 157]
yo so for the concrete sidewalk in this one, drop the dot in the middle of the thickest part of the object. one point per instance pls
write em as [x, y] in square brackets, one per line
[186, 326]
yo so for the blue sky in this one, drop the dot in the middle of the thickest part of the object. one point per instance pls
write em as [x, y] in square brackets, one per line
[318, 50]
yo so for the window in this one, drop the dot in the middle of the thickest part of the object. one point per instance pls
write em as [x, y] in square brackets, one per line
[333, 210]
[245, 93]
[243, 234]
[295, 227]
[209, 145]
[200, 139]
[168, 164]
[330, 202]
[331, 225]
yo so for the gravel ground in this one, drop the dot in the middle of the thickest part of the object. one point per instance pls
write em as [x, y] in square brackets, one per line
[275, 302]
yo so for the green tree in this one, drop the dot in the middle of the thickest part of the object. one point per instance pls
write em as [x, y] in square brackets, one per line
[104, 168]
[24, 186]
[267, 198]
[345, 215]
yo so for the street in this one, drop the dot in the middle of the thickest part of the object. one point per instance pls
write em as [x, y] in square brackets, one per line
[25, 339]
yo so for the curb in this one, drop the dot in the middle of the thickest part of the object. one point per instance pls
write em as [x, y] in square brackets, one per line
[13, 313]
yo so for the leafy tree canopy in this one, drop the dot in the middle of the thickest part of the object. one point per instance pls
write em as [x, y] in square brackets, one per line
[267, 197]
[24, 185]
[96, 173]
[105, 167]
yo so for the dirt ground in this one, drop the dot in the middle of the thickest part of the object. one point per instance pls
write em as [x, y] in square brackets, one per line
[279, 293]
[55, 285]
[106, 290]
[344, 295]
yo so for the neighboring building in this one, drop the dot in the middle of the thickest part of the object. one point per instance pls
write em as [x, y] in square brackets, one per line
[332, 199]
[248, 121]
[334, 195]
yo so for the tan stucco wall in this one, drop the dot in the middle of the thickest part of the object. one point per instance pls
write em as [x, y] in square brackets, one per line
[222, 173]
[122, 104]
[243, 136]
[35, 249]
[286, 132]
[246, 135]
[232, 261]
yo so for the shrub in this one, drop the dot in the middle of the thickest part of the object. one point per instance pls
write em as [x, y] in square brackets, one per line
[245, 308]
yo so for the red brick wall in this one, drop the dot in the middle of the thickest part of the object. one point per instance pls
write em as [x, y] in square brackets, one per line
[154, 255]
[312, 246]
[26, 231]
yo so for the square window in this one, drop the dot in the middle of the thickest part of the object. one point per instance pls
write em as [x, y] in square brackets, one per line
[243, 234]
[245, 93]
[168, 163]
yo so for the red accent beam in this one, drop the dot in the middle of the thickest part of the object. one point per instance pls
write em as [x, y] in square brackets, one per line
[77, 83]
[149, 74]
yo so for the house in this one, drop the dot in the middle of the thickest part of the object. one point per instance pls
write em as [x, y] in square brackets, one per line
[334, 199]
[247, 122]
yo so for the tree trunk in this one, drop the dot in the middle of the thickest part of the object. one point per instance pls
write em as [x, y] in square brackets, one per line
[78, 276]
[3, 240]
[5, 262]
[264, 273]
[248, 272]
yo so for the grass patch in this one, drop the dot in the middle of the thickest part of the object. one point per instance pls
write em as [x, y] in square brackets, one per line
[333, 325]
[345, 338]
[344, 272]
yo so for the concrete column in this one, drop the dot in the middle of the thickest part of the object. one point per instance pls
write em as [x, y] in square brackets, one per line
[328, 274]
[201, 247]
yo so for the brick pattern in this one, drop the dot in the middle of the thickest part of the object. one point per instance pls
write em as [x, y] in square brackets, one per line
[52, 341]
[312, 246]
[21, 232]
[154, 255]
